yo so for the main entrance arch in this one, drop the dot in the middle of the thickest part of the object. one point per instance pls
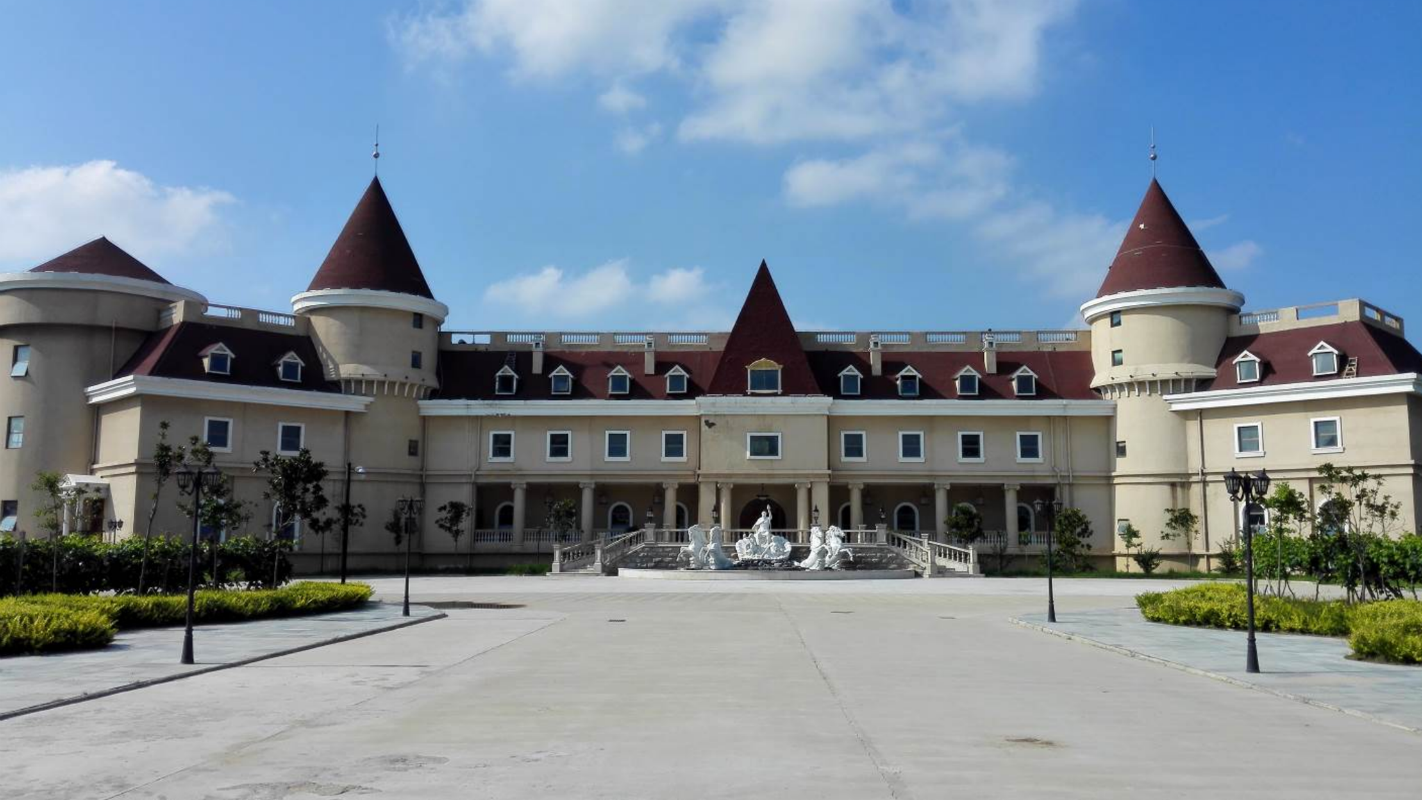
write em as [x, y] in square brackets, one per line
[755, 508]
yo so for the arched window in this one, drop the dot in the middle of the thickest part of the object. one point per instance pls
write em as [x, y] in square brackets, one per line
[846, 517]
[683, 517]
[1253, 517]
[1026, 519]
[1332, 517]
[906, 517]
[503, 517]
[619, 518]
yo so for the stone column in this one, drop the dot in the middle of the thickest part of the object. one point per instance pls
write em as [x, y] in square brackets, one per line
[587, 509]
[856, 506]
[520, 492]
[728, 519]
[819, 498]
[802, 506]
[669, 505]
[705, 501]
[1009, 491]
[940, 510]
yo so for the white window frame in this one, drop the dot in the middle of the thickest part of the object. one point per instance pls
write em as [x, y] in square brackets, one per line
[20, 367]
[607, 445]
[779, 446]
[8, 522]
[858, 381]
[206, 421]
[909, 372]
[668, 458]
[10, 443]
[982, 447]
[765, 365]
[1318, 350]
[1247, 357]
[1021, 373]
[220, 349]
[1244, 515]
[863, 446]
[299, 425]
[977, 382]
[917, 518]
[290, 358]
[560, 372]
[548, 447]
[1031, 518]
[678, 372]
[1313, 434]
[506, 371]
[1243, 454]
[493, 459]
[1041, 450]
[922, 447]
[619, 372]
[1116, 319]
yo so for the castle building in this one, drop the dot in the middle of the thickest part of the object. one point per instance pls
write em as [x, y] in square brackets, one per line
[1172, 386]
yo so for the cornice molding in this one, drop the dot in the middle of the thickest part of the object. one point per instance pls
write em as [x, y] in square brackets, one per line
[781, 406]
[1401, 383]
[1155, 298]
[78, 281]
[558, 408]
[368, 298]
[147, 385]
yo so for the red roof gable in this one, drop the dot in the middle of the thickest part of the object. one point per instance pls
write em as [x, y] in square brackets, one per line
[372, 252]
[176, 352]
[469, 374]
[1283, 355]
[1158, 252]
[763, 330]
[101, 257]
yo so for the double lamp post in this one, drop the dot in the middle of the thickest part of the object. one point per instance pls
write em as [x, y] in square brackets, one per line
[1250, 489]
[193, 482]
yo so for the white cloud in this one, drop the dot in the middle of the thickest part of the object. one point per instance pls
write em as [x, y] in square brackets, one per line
[633, 140]
[927, 180]
[608, 295]
[1066, 254]
[45, 211]
[1205, 224]
[619, 99]
[1237, 256]
[678, 285]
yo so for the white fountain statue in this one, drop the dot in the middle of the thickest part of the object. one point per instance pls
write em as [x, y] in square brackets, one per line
[827, 550]
[716, 557]
[699, 553]
[762, 545]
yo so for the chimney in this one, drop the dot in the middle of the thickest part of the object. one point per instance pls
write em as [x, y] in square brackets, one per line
[538, 356]
[989, 352]
[649, 356]
[876, 355]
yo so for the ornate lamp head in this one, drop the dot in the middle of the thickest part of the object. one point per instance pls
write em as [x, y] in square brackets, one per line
[1039, 505]
[815, 515]
[185, 476]
[1261, 483]
[1233, 482]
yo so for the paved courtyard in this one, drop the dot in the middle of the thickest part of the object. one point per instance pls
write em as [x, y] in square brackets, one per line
[591, 687]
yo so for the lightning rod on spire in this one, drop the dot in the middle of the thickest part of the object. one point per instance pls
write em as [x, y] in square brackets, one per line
[1152, 152]
[375, 154]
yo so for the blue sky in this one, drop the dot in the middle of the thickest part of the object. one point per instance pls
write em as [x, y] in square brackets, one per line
[627, 163]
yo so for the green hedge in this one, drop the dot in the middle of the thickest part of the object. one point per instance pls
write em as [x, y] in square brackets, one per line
[87, 565]
[1389, 630]
[47, 622]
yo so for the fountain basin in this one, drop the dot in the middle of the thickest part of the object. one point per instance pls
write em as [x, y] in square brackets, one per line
[766, 574]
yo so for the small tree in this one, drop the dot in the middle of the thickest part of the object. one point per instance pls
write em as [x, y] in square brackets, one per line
[1355, 511]
[1072, 530]
[1180, 523]
[1288, 512]
[964, 523]
[56, 501]
[396, 526]
[451, 520]
[220, 510]
[563, 519]
[1130, 540]
[294, 487]
[166, 458]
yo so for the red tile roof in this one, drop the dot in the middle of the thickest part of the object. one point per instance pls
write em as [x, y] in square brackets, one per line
[1061, 375]
[1158, 252]
[101, 257]
[1284, 358]
[175, 352]
[763, 330]
[469, 374]
[372, 252]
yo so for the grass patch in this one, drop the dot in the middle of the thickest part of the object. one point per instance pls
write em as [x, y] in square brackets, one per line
[52, 622]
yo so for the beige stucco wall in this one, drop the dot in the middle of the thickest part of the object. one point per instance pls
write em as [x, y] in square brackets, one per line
[375, 343]
[1156, 342]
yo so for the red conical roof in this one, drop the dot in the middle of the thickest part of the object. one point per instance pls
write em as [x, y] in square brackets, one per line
[1159, 252]
[101, 257]
[763, 330]
[372, 252]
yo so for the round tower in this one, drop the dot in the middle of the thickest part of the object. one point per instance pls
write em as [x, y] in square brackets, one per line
[66, 325]
[1157, 326]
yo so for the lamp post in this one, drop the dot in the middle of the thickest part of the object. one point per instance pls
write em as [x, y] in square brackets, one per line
[1050, 509]
[114, 526]
[1248, 488]
[815, 516]
[346, 518]
[409, 509]
[193, 481]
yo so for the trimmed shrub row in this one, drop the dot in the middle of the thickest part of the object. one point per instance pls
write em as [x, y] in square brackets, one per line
[86, 565]
[49, 622]
[1389, 630]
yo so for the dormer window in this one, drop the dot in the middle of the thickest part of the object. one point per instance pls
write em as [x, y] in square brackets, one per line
[1325, 359]
[560, 381]
[967, 382]
[908, 380]
[217, 359]
[1246, 367]
[289, 368]
[1024, 383]
[849, 382]
[505, 381]
[619, 381]
[676, 381]
[763, 377]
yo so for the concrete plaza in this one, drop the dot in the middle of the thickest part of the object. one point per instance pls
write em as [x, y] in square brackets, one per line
[595, 687]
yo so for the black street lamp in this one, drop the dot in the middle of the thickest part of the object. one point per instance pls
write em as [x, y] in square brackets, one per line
[815, 516]
[194, 481]
[715, 515]
[1248, 488]
[346, 519]
[1050, 509]
[114, 526]
[409, 509]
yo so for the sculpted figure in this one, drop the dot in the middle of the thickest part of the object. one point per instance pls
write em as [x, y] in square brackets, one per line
[819, 551]
[836, 554]
[762, 545]
[716, 557]
[693, 555]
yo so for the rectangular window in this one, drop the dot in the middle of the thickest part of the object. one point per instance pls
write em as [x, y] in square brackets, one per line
[849, 384]
[1029, 447]
[967, 384]
[217, 432]
[908, 386]
[290, 437]
[1115, 319]
[501, 445]
[418, 320]
[762, 445]
[1327, 435]
[910, 445]
[290, 371]
[676, 383]
[20, 361]
[1248, 440]
[1120, 449]
[1024, 385]
[412, 448]
[619, 383]
[851, 446]
[970, 446]
[1118, 358]
[673, 445]
[618, 446]
[505, 383]
[1325, 364]
[561, 383]
[417, 359]
[560, 446]
[9, 513]
[1247, 371]
[765, 380]
[219, 363]
[15, 433]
